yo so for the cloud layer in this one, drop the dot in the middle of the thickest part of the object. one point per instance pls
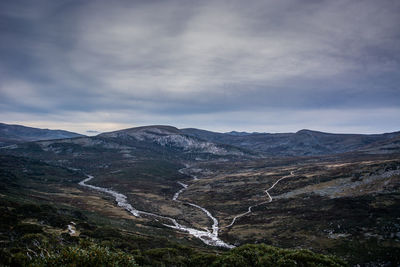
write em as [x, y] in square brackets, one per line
[220, 65]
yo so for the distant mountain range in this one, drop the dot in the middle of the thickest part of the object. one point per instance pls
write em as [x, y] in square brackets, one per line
[326, 191]
[13, 134]
[301, 143]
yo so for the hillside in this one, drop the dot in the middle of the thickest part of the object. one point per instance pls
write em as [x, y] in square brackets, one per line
[168, 136]
[157, 192]
[301, 143]
[13, 134]
[49, 220]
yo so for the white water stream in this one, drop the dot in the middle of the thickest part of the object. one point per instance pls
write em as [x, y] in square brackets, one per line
[209, 238]
[183, 171]
[215, 227]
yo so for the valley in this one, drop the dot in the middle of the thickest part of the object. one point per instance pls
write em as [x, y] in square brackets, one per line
[158, 183]
[207, 236]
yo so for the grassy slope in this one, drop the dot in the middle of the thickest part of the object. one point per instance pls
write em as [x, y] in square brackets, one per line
[148, 177]
[360, 223]
[35, 217]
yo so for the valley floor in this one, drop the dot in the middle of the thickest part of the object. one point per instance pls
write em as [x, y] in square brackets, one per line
[346, 205]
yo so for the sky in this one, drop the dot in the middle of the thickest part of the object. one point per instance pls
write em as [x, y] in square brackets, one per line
[266, 66]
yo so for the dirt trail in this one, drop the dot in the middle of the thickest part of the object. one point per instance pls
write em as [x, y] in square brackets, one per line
[258, 204]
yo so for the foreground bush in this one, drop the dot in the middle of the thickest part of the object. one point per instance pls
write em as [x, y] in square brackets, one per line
[263, 255]
[91, 255]
[247, 255]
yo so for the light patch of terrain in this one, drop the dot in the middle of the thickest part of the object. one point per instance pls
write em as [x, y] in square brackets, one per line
[346, 187]
[53, 230]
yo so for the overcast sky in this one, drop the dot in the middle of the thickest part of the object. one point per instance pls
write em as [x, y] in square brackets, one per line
[267, 66]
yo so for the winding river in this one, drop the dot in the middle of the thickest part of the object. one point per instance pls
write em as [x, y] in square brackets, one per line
[208, 237]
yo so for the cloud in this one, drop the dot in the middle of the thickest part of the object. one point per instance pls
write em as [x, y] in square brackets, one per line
[161, 61]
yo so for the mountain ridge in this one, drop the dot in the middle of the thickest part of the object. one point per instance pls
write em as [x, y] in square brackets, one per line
[304, 142]
[335, 199]
[12, 133]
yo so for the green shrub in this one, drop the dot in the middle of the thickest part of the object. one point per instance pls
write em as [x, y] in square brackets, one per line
[5, 257]
[28, 209]
[164, 256]
[30, 238]
[263, 255]
[92, 255]
[106, 233]
[202, 260]
[19, 259]
[27, 228]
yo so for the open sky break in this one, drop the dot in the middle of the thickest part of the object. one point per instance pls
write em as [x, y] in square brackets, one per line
[266, 66]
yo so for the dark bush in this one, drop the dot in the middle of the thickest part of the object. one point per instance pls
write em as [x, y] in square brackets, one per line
[28, 209]
[92, 255]
[263, 255]
[27, 228]
[164, 256]
[106, 232]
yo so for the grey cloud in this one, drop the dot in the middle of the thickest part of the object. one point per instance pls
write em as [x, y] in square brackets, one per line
[162, 59]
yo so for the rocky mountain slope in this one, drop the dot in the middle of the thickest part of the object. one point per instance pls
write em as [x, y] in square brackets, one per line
[150, 143]
[383, 147]
[168, 136]
[301, 143]
[12, 134]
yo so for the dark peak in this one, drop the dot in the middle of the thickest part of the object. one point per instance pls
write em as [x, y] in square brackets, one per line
[304, 131]
[12, 133]
[166, 128]
[17, 127]
[238, 133]
[197, 130]
[156, 129]
[307, 131]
